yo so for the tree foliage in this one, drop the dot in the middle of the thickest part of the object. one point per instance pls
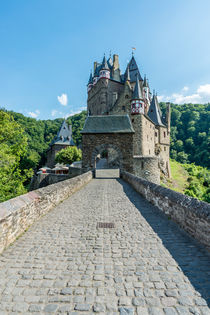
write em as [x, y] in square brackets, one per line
[199, 182]
[190, 133]
[68, 155]
[13, 148]
[41, 132]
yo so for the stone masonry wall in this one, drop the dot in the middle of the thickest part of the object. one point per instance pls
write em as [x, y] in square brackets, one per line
[123, 141]
[100, 97]
[147, 168]
[191, 214]
[17, 214]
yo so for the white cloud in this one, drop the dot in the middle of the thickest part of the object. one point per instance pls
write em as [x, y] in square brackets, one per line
[204, 89]
[34, 114]
[202, 96]
[63, 99]
[54, 112]
[72, 113]
[185, 89]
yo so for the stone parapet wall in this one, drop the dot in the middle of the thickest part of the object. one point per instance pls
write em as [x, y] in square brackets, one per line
[45, 179]
[17, 214]
[191, 214]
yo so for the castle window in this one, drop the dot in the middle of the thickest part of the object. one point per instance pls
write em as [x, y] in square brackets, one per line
[149, 151]
[132, 120]
[123, 108]
[151, 138]
[126, 96]
[147, 137]
[164, 148]
[156, 134]
[142, 165]
[164, 134]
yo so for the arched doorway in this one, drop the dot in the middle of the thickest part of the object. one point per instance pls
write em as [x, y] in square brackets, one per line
[106, 160]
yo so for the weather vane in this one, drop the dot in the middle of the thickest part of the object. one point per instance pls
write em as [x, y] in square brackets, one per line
[133, 48]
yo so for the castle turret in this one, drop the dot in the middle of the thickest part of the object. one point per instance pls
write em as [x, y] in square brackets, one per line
[104, 71]
[61, 141]
[137, 102]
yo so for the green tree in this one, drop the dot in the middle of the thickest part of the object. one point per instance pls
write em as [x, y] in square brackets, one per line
[13, 146]
[68, 155]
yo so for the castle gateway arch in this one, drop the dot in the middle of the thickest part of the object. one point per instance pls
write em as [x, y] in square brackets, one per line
[112, 134]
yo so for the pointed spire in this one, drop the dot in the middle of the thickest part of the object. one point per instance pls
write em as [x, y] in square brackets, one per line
[96, 72]
[134, 70]
[154, 112]
[127, 74]
[137, 94]
[90, 78]
[104, 65]
[145, 83]
[110, 61]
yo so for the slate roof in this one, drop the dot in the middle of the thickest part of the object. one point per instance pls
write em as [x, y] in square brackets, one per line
[108, 124]
[110, 62]
[64, 136]
[137, 94]
[127, 75]
[104, 65]
[154, 112]
[90, 78]
[134, 70]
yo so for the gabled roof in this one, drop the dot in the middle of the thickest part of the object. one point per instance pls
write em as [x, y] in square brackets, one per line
[134, 70]
[64, 136]
[154, 112]
[108, 124]
[137, 94]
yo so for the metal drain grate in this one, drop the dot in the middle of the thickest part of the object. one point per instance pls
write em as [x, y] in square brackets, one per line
[105, 225]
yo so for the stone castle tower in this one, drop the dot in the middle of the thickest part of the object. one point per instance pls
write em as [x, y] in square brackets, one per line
[61, 141]
[113, 94]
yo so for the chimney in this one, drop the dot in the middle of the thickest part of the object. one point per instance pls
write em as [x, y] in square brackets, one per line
[116, 62]
[95, 65]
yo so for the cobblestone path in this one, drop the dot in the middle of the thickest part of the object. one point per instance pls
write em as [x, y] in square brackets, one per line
[64, 264]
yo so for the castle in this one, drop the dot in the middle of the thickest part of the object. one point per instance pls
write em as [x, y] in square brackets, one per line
[124, 117]
[62, 140]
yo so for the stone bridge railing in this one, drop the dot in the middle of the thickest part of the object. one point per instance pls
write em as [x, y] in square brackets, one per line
[17, 214]
[191, 214]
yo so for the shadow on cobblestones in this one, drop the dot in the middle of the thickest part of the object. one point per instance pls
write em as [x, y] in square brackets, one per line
[192, 258]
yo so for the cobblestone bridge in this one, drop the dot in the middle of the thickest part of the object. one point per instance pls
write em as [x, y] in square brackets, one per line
[66, 264]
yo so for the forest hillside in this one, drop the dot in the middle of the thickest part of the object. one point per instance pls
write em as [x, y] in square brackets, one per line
[190, 143]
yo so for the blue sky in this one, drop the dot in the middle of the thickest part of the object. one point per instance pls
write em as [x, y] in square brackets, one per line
[48, 48]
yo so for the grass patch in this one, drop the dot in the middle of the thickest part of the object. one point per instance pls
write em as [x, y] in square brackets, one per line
[179, 176]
